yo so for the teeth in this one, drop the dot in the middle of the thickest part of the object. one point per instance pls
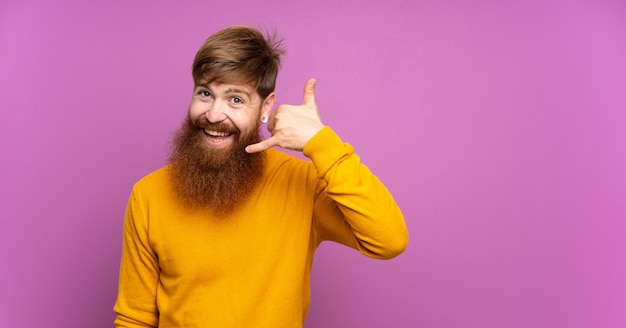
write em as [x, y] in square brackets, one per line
[216, 133]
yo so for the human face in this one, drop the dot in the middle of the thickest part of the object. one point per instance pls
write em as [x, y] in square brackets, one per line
[231, 110]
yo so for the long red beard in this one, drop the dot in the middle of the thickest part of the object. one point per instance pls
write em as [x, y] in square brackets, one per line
[215, 179]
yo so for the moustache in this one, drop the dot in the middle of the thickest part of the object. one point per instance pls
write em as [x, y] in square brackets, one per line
[202, 123]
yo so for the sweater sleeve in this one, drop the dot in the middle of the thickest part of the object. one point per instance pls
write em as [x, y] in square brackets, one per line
[139, 272]
[352, 206]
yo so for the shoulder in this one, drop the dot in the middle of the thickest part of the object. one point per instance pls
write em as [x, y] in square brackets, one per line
[155, 177]
[155, 182]
[277, 160]
[282, 166]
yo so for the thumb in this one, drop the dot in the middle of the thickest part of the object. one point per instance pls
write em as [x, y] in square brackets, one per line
[309, 92]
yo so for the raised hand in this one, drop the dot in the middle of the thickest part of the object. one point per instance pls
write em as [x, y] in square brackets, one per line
[292, 126]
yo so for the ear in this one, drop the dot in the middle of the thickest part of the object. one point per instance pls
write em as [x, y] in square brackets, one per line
[267, 105]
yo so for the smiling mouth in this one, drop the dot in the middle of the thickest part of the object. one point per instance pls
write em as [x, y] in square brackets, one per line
[217, 136]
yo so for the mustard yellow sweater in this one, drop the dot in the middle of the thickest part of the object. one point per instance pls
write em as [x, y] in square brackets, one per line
[182, 269]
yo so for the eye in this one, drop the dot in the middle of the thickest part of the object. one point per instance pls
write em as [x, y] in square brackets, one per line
[236, 101]
[205, 93]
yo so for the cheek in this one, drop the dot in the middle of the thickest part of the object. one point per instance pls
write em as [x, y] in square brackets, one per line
[196, 109]
[246, 121]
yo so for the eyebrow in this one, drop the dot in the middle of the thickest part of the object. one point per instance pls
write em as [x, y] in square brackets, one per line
[235, 90]
[228, 91]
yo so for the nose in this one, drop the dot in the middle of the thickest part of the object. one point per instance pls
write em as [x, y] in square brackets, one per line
[216, 113]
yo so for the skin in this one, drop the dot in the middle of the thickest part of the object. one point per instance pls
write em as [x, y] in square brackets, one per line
[292, 126]
[239, 106]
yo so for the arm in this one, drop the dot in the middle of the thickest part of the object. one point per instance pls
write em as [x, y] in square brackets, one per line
[352, 206]
[139, 272]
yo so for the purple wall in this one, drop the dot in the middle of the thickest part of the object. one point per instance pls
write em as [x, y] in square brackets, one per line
[499, 126]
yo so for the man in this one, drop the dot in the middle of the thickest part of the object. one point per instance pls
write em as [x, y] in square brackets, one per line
[224, 235]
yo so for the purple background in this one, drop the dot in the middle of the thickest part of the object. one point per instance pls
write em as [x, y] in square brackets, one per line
[500, 127]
